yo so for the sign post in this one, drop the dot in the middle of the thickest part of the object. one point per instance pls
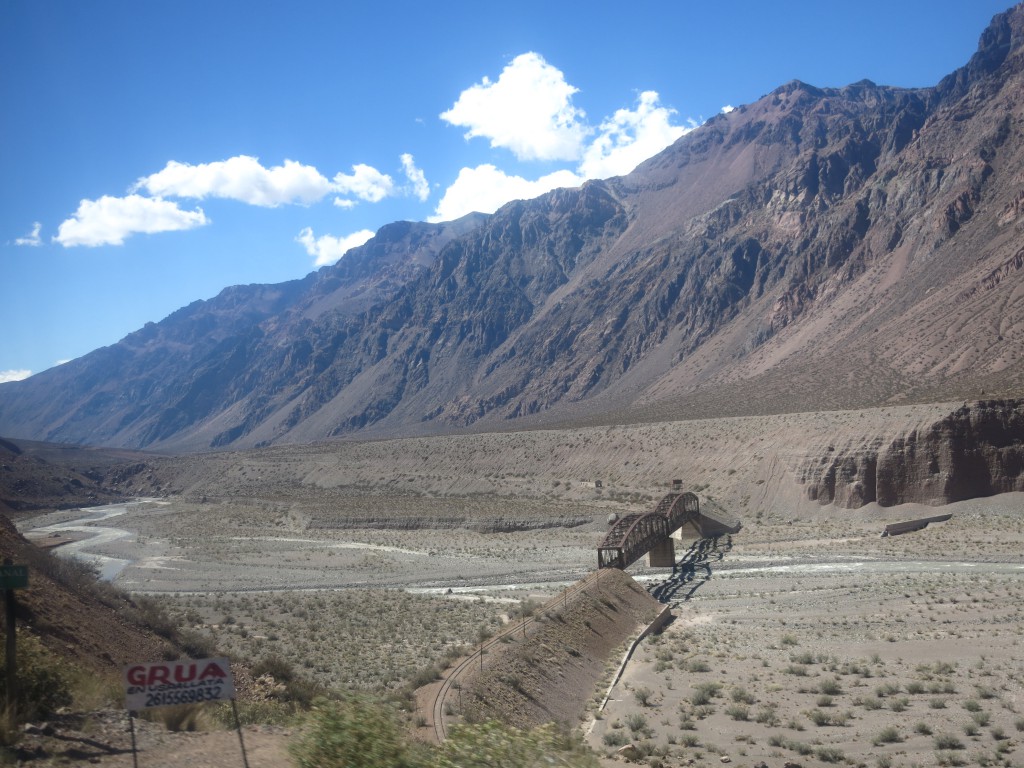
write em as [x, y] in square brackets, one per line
[185, 681]
[12, 577]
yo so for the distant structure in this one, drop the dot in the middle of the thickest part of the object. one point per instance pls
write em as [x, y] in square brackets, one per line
[633, 536]
[895, 529]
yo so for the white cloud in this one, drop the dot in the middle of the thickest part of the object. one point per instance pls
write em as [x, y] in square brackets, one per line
[417, 180]
[528, 111]
[486, 188]
[239, 178]
[109, 220]
[6, 376]
[727, 109]
[327, 249]
[32, 239]
[365, 182]
[629, 137]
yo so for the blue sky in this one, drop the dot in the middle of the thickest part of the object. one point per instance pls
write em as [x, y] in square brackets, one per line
[153, 153]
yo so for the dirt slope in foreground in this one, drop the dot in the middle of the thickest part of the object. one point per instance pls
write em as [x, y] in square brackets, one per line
[73, 622]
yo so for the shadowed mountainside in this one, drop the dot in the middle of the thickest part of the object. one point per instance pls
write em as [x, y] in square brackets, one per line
[818, 249]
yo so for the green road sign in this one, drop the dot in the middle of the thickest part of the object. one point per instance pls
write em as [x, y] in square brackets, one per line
[13, 576]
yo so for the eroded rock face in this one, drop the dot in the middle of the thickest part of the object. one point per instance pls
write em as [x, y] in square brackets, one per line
[977, 450]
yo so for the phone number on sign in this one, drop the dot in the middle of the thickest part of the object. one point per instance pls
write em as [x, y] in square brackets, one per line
[190, 696]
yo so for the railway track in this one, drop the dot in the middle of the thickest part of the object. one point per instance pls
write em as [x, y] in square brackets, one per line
[455, 673]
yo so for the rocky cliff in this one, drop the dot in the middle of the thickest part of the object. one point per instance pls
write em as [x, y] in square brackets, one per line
[977, 450]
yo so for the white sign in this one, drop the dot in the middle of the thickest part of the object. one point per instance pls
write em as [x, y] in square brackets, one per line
[186, 681]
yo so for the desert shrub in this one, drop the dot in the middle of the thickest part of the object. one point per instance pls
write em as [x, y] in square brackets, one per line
[889, 735]
[767, 716]
[426, 675]
[151, 614]
[948, 741]
[44, 680]
[636, 721]
[196, 645]
[268, 712]
[738, 712]
[643, 696]
[742, 696]
[276, 666]
[820, 718]
[704, 693]
[830, 754]
[493, 744]
[615, 739]
[352, 733]
[830, 687]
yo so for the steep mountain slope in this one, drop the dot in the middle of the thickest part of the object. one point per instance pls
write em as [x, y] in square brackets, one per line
[819, 248]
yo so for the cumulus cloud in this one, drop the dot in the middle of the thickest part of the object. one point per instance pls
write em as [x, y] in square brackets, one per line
[418, 185]
[623, 141]
[365, 182]
[486, 188]
[14, 375]
[109, 220]
[327, 249]
[528, 111]
[33, 238]
[239, 178]
[727, 109]
[629, 137]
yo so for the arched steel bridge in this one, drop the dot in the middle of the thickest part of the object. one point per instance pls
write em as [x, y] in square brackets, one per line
[633, 536]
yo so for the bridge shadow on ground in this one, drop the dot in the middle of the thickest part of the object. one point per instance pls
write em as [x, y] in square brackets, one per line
[692, 570]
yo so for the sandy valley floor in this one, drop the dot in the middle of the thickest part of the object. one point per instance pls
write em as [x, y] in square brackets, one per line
[809, 641]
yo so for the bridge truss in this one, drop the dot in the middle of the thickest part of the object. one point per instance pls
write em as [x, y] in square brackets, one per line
[632, 536]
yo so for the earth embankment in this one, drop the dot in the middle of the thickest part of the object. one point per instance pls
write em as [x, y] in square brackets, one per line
[550, 675]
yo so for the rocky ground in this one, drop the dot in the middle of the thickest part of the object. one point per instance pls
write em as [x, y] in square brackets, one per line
[810, 640]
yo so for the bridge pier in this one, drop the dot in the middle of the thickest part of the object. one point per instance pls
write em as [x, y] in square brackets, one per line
[663, 553]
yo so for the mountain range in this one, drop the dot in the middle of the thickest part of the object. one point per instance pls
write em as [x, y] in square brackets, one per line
[818, 249]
